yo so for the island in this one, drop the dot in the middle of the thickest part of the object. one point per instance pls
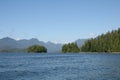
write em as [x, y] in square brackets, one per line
[37, 49]
[108, 42]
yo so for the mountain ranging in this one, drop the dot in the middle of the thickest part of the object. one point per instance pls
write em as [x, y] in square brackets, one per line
[109, 42]
[8, 44]
[11, 45]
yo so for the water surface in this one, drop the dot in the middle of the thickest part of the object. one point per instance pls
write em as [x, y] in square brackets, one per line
[24, 66]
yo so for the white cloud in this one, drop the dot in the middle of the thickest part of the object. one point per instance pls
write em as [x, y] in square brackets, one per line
[17, 39]
[92, 35]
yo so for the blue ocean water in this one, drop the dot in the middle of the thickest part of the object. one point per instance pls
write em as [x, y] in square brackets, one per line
[89, 66]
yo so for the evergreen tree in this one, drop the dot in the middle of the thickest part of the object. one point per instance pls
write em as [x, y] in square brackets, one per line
[37, 49]
[109, 42]
[70, 48]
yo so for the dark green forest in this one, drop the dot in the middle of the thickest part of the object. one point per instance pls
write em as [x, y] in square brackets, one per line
[70, 48]
[37, 49]
[109, 42]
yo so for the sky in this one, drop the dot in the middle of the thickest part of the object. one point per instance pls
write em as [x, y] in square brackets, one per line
[59, 21]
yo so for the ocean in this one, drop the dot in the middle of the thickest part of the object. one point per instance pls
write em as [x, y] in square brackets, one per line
[58, 66]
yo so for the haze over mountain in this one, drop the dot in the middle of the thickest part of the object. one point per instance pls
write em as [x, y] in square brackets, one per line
[8, 43]
[80, 42]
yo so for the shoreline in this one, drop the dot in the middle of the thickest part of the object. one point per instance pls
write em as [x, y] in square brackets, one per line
[102, 52]
[72, 52]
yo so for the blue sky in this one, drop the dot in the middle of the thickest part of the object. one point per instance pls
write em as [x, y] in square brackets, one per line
[58, 20]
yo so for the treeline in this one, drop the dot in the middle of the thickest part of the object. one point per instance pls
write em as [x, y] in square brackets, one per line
[13, 50]
[70, 48]
[109, 42]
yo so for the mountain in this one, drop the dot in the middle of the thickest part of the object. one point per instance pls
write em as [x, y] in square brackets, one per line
[80, 42]
[9, 44]
[26, 43]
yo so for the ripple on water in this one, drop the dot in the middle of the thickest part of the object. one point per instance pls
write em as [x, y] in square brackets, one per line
[13, 75]
[59, 67]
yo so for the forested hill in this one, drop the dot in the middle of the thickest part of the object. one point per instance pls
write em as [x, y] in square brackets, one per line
[109, 42]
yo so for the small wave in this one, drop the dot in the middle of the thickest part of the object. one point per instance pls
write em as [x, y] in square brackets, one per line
[11, 66]
[13, 75]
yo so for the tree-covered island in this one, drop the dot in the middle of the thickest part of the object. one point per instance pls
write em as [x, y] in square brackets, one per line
[70, 48]
[37, 49]
[109, 42]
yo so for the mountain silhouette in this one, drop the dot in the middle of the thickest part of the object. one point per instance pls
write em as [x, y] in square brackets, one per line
[8, 43]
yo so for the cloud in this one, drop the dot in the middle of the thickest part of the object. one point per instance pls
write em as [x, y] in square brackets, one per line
[92, 35]
[17, 38]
